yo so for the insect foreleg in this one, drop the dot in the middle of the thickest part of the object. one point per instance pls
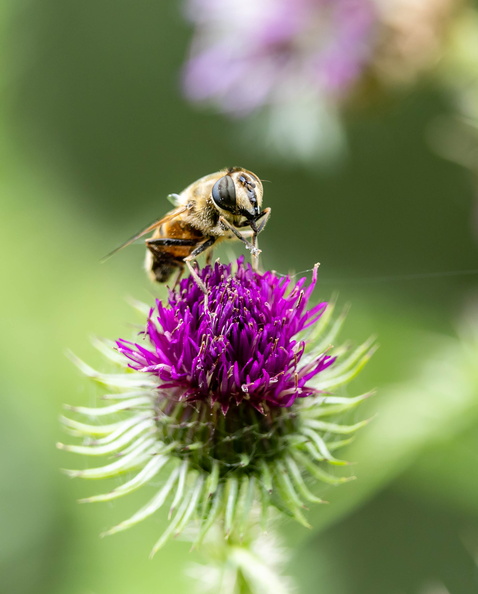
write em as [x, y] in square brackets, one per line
[263, 217]
[254, 251]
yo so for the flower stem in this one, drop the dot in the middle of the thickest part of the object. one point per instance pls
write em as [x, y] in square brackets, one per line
[251, 565]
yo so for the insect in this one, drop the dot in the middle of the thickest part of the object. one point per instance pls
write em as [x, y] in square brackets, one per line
[221, 206]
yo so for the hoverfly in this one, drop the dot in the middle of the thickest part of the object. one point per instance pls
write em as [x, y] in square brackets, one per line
[222, 205]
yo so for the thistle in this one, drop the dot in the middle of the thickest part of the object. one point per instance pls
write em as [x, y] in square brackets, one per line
[230, 405]
[288, 67]
[292, 69]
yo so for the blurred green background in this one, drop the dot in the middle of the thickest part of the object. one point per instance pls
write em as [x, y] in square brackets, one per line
[94, 135]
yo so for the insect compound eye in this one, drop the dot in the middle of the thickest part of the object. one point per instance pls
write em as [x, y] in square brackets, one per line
[224, 193]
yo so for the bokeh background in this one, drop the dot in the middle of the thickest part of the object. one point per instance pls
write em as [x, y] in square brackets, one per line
[94, 133]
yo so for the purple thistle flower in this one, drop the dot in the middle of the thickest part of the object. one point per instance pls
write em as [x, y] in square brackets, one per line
[248, 54]
[286, 66]
[290, 68]
[240, 348]
[230, 404]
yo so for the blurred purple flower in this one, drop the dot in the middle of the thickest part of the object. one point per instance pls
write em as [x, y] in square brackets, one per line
[249, 54]
[238, 349]
[299, 63]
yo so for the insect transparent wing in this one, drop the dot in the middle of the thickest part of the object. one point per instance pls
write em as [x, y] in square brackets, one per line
[146, 230]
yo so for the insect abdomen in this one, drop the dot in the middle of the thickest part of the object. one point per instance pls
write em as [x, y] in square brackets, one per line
[162, 265]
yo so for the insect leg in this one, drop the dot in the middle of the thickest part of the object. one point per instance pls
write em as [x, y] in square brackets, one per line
[254, 251]
[209, 257]
[263, 217]
[170, 241]
[193, 255]
[164, 262]
[178, 277]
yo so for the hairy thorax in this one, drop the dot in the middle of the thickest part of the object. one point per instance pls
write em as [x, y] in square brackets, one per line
[206, 220]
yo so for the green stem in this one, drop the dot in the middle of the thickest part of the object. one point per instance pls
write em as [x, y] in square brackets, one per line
[247, 565]
[242, 585]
